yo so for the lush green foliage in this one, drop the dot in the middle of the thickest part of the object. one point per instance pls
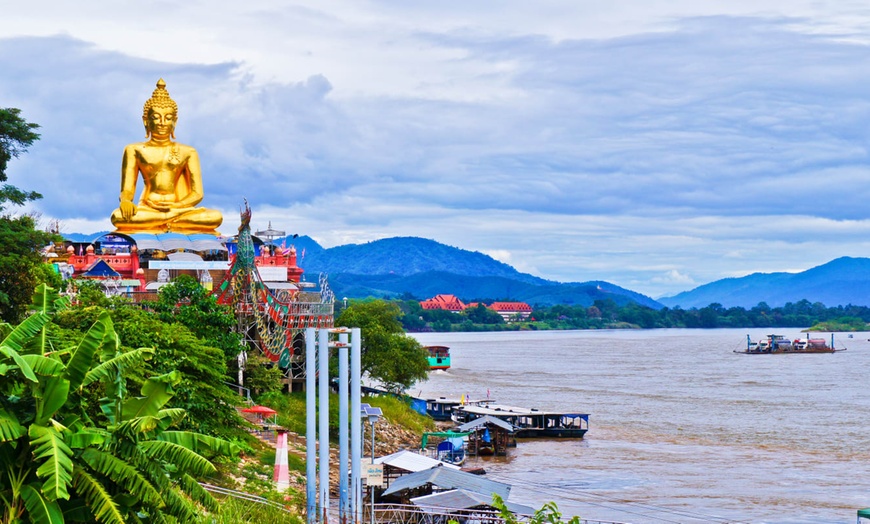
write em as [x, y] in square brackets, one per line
[236, 511]
[399, 412]
[607, 314]
[548, 514]
[16, 135]
[291, 412]
[389, 356]
[209, 403]
[261, 375]
[62, 458]
[21, 267]
[186, 302]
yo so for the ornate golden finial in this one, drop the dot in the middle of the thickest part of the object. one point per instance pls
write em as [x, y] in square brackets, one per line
[160, 98]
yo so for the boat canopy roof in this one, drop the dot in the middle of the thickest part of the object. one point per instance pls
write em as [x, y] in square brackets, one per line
[486, 420]
[443, 434]
[864, 513]
[499, 410]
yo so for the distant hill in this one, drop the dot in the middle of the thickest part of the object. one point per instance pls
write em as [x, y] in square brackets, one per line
[405, 256]
[841, 281]
[422, 268]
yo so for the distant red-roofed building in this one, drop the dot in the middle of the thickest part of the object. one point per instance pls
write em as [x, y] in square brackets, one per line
[445, 302]
[512, 310]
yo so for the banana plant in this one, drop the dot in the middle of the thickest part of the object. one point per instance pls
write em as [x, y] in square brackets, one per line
[59, 465]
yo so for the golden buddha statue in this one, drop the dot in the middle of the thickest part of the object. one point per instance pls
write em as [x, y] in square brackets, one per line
[171, 177]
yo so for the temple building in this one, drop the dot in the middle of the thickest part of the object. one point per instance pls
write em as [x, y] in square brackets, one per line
[509, 311]
[137, 265]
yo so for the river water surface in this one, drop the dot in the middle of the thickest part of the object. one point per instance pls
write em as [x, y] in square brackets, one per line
[681, 428]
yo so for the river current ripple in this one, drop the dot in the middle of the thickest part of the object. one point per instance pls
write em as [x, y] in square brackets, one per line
[681, 428]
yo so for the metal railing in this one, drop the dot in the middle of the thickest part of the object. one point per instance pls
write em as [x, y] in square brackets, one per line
[410, 514]
[241, 495]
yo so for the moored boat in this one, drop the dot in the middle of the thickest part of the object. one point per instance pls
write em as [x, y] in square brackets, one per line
[528, 423]
[441, 408]
[439, 357]
[780, 345]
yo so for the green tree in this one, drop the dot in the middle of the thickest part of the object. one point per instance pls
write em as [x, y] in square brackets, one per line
[202, 394]
[59, 462]
[389, 356]
[480, 314]
[20, 259]
[16, 135]
[185, 301]
[20, 263]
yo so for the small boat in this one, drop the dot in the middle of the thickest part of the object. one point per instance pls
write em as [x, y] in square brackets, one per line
[450, 450]
[439, 357]
[779, 345]
[528, 423]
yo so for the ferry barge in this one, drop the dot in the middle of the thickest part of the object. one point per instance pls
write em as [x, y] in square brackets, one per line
[779, 345]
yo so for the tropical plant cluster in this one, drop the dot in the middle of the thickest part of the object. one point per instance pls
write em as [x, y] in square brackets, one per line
[81, 440]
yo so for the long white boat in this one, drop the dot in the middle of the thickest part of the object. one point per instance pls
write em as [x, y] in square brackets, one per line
[528, 422]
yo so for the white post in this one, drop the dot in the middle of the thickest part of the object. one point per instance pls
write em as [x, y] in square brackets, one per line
[323, 433]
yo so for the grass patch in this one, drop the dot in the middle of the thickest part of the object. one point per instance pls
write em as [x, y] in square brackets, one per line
[398, 412]
[291, 412]
[235, 511]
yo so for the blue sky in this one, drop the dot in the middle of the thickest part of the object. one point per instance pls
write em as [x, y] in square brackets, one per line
[655, 145]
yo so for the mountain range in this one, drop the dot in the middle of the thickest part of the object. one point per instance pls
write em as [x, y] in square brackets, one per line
[840, 282]
[419, 268]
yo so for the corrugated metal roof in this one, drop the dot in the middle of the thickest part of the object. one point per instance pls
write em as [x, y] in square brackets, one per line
[446, 478]
[486, 419]
[458, 499]
[173, 241]
[410, 461]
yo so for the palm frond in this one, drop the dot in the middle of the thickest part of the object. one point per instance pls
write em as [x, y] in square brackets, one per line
[18, 337]
[109, 368]
[170, 417]
[98, 499]
[122, 474]
[54, 394]
[197, 493]
[87, 437]
[200, 443]
[56, 460]
[10, 353]
[101, 332]
[44, 366]
[48, 300]
[178, 506]
[133, 428]
[10, 428]
[183, 458]
[40, 510]
[156, 392]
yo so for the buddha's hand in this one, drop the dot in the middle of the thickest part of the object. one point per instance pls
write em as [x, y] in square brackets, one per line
[157, 205]
[128, 209]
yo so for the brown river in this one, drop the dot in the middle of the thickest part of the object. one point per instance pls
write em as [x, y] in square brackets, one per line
[681, 429]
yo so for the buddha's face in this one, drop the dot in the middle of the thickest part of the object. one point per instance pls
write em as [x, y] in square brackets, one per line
[160, 122]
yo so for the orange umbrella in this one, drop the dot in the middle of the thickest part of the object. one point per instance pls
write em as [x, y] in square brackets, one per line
[260, 410]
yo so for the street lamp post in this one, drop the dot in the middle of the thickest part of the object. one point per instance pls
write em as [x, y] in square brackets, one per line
[373, 414]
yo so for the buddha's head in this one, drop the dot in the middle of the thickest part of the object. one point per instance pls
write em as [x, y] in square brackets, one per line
[160, 113]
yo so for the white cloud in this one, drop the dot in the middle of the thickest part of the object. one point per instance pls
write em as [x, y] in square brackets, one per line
[675, 145]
